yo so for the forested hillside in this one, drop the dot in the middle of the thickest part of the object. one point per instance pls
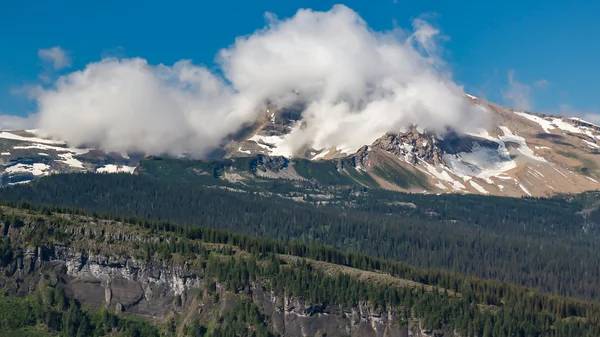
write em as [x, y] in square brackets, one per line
[234, 271]
[549, 244]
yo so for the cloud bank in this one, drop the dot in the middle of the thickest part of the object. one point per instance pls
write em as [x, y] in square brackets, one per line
[355, 84]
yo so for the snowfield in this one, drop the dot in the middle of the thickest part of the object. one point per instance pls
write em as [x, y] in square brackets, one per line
[111, 168]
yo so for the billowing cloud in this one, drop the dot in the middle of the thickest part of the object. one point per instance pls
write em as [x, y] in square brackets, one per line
[354, 83]
[517, 95]
[129, 105]
[56, 56]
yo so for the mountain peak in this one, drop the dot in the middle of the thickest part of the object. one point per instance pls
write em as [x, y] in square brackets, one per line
[518, 153]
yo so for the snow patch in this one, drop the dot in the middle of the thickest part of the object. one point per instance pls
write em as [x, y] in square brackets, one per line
[573, 128]
[68, 159]
[244, 151]
[482, 162]
[112, 168]
[478, 187]
[551, 123]
[545, 124]
[591, 144]
[444, 176]
[523, 148]
[562, 174]
[37, 169]
[524, 189]
[274, 145]
[20, 182]
[75, 151]
[12, 136]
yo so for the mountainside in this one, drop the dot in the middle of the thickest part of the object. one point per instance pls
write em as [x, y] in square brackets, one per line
[25, 155]
[57, 267]
[518, 154]
[526, 241]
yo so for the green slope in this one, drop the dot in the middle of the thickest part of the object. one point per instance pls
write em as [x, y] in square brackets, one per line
[530, 242]
[241, 265]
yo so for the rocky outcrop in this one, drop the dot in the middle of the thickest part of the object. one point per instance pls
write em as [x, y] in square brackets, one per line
[360, 160]
[123, 284]
[295, 317]
[412, 145]
[265, 163]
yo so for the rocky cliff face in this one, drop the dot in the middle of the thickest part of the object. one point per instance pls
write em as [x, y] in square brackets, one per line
[154, 290]
[412, 145]
[147, 289]
[102, 268]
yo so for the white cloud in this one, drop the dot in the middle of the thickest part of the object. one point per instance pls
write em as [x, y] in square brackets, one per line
[517, 95]
[56, 56]
[12, 122]
[355, 83]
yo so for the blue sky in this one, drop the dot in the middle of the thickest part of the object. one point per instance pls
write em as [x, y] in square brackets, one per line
[549, 47]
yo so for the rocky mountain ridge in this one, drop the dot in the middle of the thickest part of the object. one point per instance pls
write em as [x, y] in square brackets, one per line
[518, 154]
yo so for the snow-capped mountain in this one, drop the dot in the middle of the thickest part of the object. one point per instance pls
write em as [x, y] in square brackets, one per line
[25, 155]
[518, 154]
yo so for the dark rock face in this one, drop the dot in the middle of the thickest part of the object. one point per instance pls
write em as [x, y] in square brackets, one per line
[454, 143]
[420, 146]
[294, 317]
[267, 163]
[359, 159]
[279, 121]
[122, 284]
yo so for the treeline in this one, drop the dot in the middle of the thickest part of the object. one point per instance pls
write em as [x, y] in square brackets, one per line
[492, 247]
